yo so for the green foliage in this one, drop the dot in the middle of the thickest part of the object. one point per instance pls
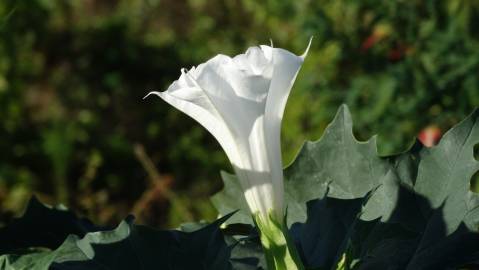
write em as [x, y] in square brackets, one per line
[352, 210]
[412, 210]
[128, 246]
[73, 74]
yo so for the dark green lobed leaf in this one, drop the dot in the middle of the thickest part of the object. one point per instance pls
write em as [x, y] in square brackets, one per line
[420, 204]
[128, 246]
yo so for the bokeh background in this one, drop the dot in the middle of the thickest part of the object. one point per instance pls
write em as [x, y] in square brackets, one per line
[74, 128]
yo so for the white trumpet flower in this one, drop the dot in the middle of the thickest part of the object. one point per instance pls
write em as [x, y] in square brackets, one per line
[240, 101]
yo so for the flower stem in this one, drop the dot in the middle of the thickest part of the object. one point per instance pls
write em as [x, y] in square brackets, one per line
[279, 248]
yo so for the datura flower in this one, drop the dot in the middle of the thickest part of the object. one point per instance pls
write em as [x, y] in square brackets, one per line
[240, 100]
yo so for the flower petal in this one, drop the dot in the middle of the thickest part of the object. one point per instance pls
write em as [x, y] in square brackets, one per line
[247, 75]
[226, 86]
[195, 104]
[238, 112]
[285, 70]
[254, 61]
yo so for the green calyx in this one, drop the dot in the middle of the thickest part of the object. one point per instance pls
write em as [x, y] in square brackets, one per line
[279, 249]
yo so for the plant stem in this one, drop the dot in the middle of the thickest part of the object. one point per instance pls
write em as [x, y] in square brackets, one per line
[279, 249]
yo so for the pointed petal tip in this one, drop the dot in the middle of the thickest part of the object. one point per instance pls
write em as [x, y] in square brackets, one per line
[303, 56]
[271, 42]
[152, 93]
[147, 95]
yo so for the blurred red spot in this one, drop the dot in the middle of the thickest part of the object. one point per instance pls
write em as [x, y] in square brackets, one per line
[430, 136]
[369, 42]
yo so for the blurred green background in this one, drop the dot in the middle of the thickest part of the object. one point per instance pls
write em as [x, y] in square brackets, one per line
[74, 128]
